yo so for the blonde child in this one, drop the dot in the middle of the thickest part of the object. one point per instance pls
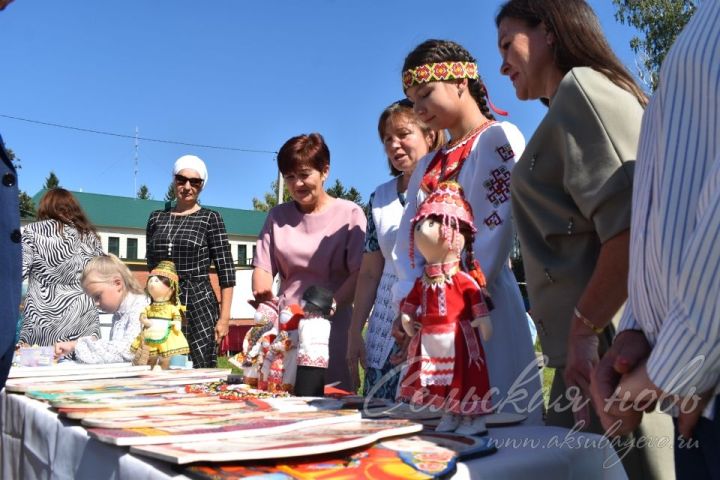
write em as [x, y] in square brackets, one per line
[113, 289]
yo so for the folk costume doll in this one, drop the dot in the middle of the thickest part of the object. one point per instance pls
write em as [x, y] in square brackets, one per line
[447, 368]
[313, 352]
[280, 365]
[161, 336]
[266, 319]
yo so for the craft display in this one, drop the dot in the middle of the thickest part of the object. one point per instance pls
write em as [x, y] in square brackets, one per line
[313, 352]
[66, 368]
[277, 422]
[161, 336]
[446, 362]
[298, 442]
[251, 358]
[280, 366]
[427, 455]
[21, 384]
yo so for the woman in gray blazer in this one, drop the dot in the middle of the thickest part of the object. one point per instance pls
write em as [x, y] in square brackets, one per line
[572, 190]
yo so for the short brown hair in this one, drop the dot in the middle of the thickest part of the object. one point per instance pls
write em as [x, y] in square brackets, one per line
[307, 149]
[60, 205]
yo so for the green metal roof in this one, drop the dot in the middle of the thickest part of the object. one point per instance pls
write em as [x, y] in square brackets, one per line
[127, 212]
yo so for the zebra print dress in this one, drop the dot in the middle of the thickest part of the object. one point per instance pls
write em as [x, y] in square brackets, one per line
[56, 308]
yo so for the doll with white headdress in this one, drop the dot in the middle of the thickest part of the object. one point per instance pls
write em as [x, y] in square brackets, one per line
[446, 361]
[161, 336]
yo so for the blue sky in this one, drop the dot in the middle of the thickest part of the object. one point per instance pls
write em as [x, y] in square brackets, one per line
[244, 74]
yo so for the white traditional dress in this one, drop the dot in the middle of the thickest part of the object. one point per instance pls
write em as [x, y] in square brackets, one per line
[488, 158]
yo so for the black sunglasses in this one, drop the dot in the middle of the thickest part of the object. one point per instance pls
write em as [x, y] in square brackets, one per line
[194, 182]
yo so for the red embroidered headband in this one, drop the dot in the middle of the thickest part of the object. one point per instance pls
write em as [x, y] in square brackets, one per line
[434, 72]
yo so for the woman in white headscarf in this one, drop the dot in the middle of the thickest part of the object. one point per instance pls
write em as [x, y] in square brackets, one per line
[192, 237]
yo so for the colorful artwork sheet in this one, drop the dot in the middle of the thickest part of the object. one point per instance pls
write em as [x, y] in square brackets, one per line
[93, 402]
[431, 416]
[167, 407]
[15, 384]
[248, 428]
[154, 379]
[299, 442]
[70, 368]
[103, 392]
[426, 455]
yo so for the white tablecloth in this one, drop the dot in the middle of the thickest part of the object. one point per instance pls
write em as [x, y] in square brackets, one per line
[36, 444]
[545, 452]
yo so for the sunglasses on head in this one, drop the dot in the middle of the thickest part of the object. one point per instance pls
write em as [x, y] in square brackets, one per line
[404, 102]
[194, 182]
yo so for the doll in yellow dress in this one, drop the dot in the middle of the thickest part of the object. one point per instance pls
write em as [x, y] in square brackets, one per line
[161, 336]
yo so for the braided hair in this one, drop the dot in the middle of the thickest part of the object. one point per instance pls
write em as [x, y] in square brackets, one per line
[437, 51]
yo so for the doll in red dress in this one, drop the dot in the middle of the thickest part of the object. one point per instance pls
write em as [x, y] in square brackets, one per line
[446, 361]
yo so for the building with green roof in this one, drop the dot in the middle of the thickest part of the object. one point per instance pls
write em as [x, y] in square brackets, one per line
[121, 223]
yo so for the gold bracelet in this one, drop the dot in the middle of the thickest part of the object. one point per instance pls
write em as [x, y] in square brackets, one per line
[587, 323]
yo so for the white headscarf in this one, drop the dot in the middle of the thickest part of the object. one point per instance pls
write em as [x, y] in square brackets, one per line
[193, 163]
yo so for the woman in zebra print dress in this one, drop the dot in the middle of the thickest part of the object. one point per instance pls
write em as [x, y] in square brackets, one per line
[55, 250]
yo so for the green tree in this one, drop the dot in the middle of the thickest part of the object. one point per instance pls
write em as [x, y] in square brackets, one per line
[660, 21]
[270, 198]
[51, 181]
[143, 192]
[338, 190]
[170, 195]
[27, 206]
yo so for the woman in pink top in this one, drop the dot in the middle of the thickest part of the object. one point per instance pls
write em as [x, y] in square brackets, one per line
[315, 239]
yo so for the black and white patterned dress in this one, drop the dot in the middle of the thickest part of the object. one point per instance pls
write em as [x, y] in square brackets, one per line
[197, 239]
[56, 308]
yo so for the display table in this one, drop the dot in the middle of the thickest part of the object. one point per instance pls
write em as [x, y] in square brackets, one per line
[36, 444]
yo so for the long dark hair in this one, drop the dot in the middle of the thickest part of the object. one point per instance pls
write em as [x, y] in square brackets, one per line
[60, 205]
[579, 39]
[436, 51]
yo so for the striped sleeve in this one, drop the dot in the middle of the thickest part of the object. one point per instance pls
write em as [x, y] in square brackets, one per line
[687, 352]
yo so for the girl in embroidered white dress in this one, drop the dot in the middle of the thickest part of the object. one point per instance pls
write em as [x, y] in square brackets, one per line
[441, 79]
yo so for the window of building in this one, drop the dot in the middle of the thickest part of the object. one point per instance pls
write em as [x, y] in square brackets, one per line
[114, 245]
[132, 249]
[254, 253]
[242, 254]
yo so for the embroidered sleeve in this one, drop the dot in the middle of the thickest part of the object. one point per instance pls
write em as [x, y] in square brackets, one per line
[371, 239]
[220, 250]
[486, 180]
[411, 303]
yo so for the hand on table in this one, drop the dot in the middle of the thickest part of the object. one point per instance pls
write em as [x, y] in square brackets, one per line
[64, 348]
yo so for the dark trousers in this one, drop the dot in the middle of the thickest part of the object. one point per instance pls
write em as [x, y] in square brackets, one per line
[699, 457]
